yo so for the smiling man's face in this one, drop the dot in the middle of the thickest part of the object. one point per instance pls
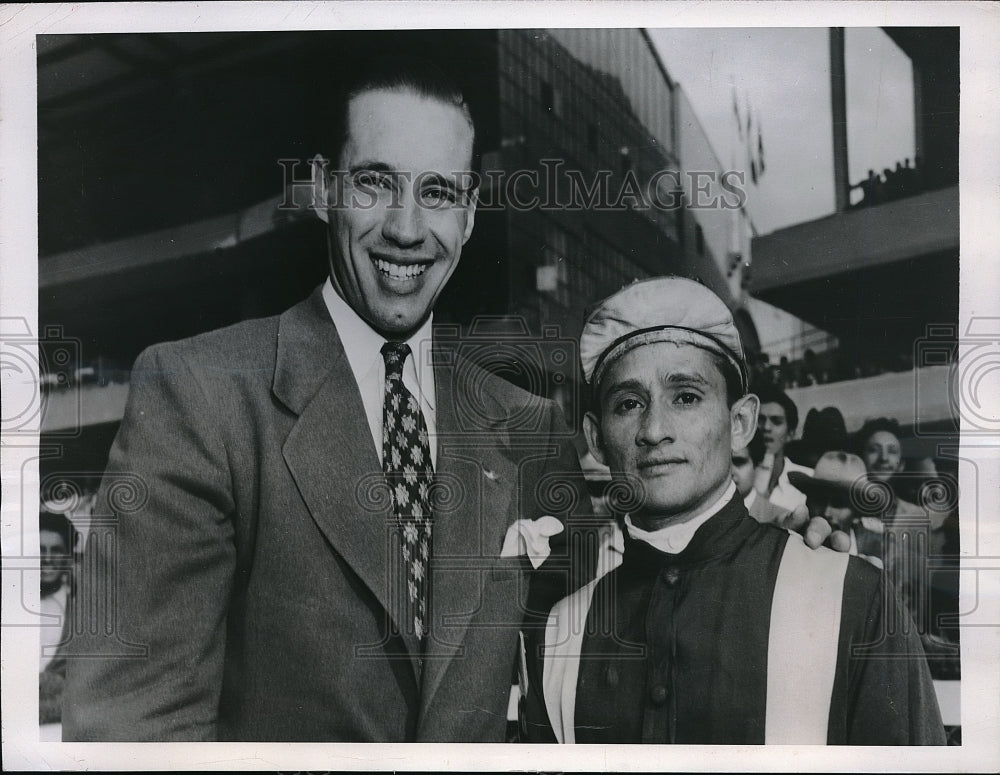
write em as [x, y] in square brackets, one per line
[665, 421]
[401, 219]
[883, 455]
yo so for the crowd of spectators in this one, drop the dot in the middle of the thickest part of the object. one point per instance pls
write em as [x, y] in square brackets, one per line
[822, 368]
[900, 512]
[905, 180]
[898, 507]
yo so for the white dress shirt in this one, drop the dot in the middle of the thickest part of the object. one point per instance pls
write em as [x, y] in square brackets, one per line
[363, 346]
[674, 538]
[784, 495]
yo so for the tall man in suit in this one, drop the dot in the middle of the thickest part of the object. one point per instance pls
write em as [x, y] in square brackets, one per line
[316, 546]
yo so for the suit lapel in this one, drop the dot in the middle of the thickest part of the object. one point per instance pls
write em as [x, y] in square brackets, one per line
[329, 451]
[330, 455]
[468, 533]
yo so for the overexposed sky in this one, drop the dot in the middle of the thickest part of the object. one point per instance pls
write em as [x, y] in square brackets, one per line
[783, 75]
[880, 121]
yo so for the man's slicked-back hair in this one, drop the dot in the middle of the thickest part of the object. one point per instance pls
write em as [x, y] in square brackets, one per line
[773, 395]
[394, 73]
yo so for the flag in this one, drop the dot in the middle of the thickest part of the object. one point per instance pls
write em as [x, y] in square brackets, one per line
[736, 114]
[760, 150]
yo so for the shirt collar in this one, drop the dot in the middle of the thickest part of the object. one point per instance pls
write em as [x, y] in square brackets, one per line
[363, 345]
[751, 497]
[672, 539]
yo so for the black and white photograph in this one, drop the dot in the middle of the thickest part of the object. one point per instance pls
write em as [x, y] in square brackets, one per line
[522, 375]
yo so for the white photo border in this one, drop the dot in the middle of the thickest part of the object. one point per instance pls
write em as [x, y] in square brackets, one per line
[979, 294]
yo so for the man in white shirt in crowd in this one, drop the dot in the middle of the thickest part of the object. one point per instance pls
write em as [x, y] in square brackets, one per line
[778, 420]
[744, 464]
[56, 541]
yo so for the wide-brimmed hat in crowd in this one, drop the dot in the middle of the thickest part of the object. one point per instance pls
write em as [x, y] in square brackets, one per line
[836, 472]
[824, 430]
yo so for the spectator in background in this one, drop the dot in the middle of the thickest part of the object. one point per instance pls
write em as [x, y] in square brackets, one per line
[823, 431]
[56, 540]
[834, 492]
[744, 462]
[872, 190]
[878, 443]
[918, 173]
[936, 491]
[909, 179]
[879, 446]
[811, 372]
[781, 374]
[900, 182]
[777, 421]
[899, 176]
[919, 483]
[56, 543]
[914, 537]
[867, 187]
[761, 370]
[891, 184]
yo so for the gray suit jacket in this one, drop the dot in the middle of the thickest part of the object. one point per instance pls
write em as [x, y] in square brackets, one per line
[241, 578]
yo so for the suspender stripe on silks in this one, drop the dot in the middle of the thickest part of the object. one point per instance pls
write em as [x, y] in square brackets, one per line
[801, 651]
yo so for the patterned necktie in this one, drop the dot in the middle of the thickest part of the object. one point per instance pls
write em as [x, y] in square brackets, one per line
[409, 472]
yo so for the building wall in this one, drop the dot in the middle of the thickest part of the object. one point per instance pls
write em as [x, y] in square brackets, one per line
[594, 101]
[725, 227]
[625, 55]
[598, 101]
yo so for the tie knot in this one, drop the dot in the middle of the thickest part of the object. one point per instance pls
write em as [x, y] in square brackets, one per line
[394, 354]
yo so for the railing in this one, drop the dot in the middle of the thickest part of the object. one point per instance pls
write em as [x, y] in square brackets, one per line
[795, 345]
